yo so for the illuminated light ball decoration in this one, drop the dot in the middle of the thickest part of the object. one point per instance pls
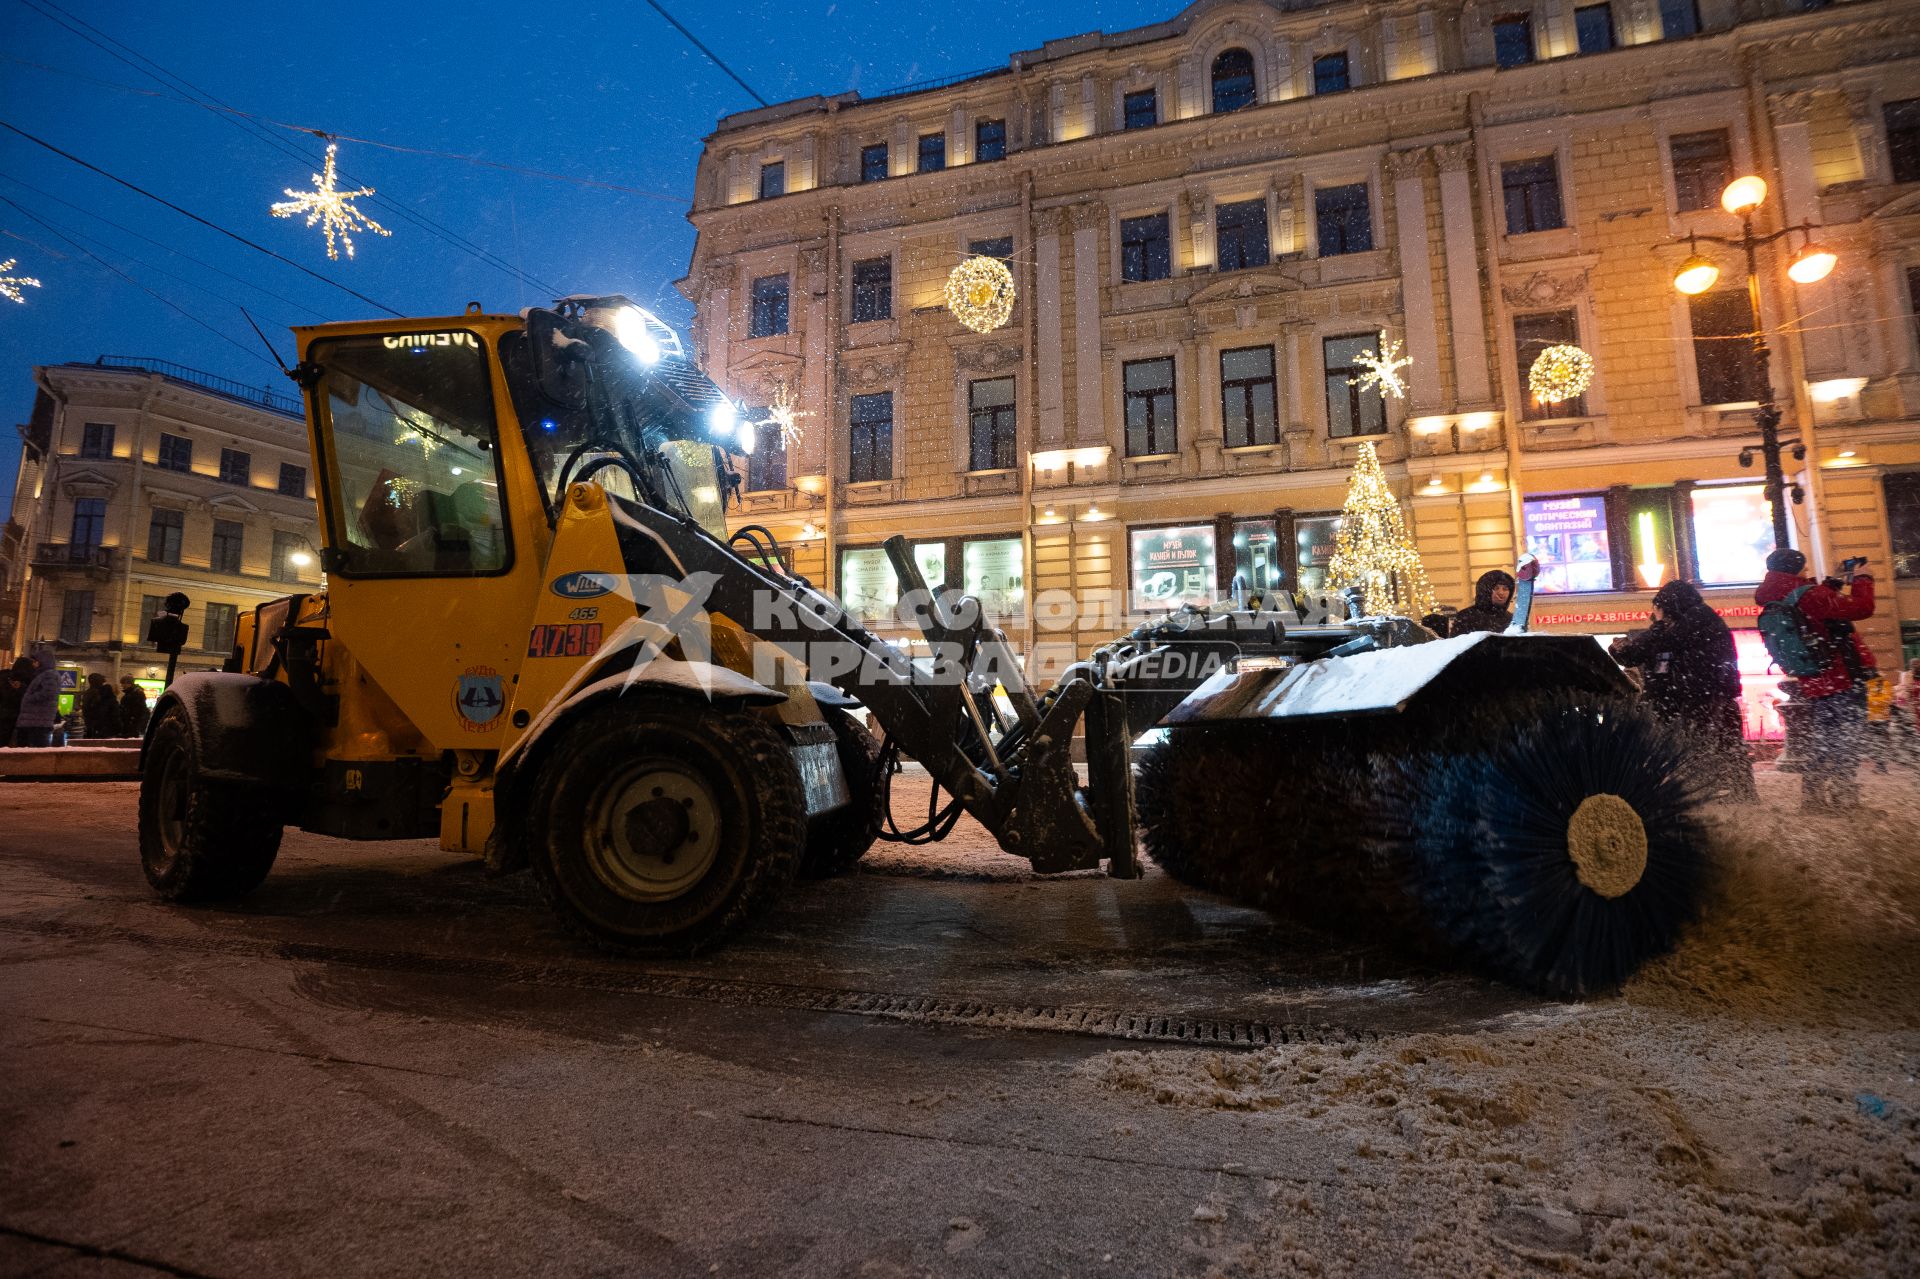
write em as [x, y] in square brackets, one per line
[331, 207]
[1560, 373]
[10, 285]
[980, 293]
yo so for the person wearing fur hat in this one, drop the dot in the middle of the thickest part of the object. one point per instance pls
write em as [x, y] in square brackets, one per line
[1836, 698]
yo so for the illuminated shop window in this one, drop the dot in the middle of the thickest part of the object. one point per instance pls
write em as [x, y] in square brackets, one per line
[1171, 566]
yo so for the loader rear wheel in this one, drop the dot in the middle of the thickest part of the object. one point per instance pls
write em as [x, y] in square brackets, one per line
[662, 826]
[200, 840]
[837, 841]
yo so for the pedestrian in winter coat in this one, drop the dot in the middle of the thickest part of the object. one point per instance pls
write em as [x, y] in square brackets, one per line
[1836, 717]
[100, 708]
[1492, 595]
[1692, 677]
[133, 708]
[13, 686]
[40, 704]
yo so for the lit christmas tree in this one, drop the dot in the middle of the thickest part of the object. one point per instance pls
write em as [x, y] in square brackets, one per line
[1374, 551]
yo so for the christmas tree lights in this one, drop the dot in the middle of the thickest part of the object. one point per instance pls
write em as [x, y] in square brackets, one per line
[10, 285]
[1373, 550]
[331, 207]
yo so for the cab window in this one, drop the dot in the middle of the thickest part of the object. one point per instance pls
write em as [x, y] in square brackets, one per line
[415, 476]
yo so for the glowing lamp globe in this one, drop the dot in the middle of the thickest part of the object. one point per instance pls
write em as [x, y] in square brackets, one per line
[1560, 373]
[980, 293]
[1743, 195]
[1696, 275]
[1812, 264]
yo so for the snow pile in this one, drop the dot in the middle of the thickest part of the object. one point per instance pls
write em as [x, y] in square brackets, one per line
[1747, 1105]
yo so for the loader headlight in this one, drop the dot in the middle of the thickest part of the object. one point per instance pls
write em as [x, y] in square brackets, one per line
[749, 436]
[630, 330]
[723, 419]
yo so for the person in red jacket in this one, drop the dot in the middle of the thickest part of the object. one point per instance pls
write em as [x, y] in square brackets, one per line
[1836, 718]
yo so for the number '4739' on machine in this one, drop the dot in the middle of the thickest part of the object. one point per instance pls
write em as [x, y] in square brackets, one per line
[572, 640]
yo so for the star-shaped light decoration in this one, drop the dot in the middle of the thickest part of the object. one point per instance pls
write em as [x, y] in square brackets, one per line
[784, 414]
[331, 207]
[10, 285]
[1383, 369]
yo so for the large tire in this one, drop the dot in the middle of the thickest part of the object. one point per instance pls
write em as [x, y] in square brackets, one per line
[201, 841]
[661, 826]
[837, 841]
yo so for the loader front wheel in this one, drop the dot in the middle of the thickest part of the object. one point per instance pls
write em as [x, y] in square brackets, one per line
[663, 826]
[200, 840]
[837, 841]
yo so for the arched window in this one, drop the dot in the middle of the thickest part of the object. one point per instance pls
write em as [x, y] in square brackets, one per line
[1232, 80]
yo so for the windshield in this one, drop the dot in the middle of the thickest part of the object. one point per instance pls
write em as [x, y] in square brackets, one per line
[650, 431]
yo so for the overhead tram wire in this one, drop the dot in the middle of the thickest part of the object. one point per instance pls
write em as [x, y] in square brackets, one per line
[156, 296]
[254, 126]
[712, 57]
[161, 244]
[188, 213]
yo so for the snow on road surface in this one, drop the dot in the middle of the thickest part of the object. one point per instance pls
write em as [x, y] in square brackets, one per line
[1746, 1106]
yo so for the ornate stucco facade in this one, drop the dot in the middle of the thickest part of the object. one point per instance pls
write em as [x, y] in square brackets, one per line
[1463, 179]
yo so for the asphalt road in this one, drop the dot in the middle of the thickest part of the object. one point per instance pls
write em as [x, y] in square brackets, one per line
[384, 1063]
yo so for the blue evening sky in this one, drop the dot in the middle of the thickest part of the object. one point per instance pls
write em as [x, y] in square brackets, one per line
[605, 91]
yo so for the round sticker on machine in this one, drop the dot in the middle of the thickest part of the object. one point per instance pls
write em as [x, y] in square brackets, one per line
[585, 586]
[479, 697]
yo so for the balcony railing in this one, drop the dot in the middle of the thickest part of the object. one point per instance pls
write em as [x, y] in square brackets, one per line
[223, 386]
[72, 555]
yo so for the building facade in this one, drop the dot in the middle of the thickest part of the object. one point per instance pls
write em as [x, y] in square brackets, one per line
[1208, 221]
[140, 479]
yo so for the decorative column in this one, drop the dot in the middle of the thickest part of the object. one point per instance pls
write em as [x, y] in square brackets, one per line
[1089, 224]
[1046, 305]
[1406, 171]
[1465, 317]
[1197, 207]
[1824, 348]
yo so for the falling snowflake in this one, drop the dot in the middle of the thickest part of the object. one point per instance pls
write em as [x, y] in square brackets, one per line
[331, 207]
[10, 285]
[1383, 369]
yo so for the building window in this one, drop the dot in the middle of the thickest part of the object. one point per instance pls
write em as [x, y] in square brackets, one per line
[236, 467]
[1247, 396]
[1532, 192]
[1257, 570]
[768, 315]
[1723, 328]
[1351, 408]
[76, 617]
[933, 152]
[1533, 334]
[96, 439]
[990, 424]
[1702, 167]
[1315, 540]
[1903, 138]
[293, 480]
[1232, 81]
[1152, 422]
[773, 179]
[1593, 27]
[1903, 522]
[89, 523]
[176, 453]
[873, 162]
[1343, 219]
[1140, 109]
[989, 140]
[872, 290]
[285, 547]
[227, 538]
[1172, 566]
[163, 536]
[1330, 73]
[870, 438]
[222, 620]
[1000, 246]
[151, 606]
[1513, 40]
[1679, 18]
[1146, 248]
[767, 464]
[1240, 234]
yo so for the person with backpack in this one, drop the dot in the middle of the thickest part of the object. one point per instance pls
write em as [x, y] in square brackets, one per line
[1808, 629]
[1692, 678]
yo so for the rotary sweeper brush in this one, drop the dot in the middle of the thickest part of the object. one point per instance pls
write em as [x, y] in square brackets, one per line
[600, 682]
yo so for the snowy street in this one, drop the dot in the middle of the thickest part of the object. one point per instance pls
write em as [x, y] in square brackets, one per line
[384, 1063]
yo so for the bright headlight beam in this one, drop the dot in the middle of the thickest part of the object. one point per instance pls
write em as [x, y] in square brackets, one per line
[630, 330]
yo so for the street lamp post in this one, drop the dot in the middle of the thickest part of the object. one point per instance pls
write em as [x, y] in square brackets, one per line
[1810, 265]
